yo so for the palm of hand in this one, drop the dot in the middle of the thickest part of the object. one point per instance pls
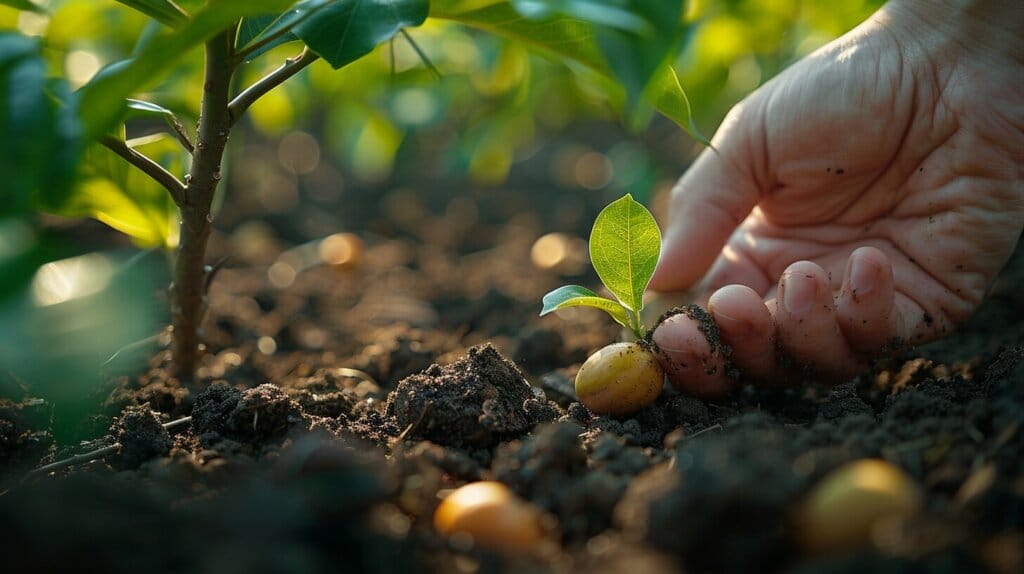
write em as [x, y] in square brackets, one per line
[870, 143]
[902, 160]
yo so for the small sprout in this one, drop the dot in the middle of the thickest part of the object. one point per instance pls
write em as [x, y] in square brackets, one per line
[619, 379]
[495, 517]
[625, 244]
[843, 510]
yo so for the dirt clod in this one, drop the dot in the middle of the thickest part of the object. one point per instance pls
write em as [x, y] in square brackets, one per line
[141, 436]
[474, 402]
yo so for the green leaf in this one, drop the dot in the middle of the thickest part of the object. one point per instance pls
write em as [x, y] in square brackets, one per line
[343, 32]
[101, 104]
[24, 5]
[576, 296]
[624, 247]
[258, 28]
[116, 193]
[148, 108]
[163, 11]
[568, 38]
[39, 134]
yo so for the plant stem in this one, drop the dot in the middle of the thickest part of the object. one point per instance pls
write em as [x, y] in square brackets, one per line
[291, 67]
[188, 292]
[147, 166]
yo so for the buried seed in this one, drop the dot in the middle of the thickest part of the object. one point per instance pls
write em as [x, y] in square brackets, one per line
[843, 510]
[494, 517]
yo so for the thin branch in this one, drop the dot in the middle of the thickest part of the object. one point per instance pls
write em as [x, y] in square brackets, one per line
[95, 454]
[179, 132]
[423, 55]
[292, 66]
[147, 166]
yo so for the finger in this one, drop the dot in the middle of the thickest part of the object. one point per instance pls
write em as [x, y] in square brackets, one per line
[748, 329]
[711, 199]
[808, 330]
[865, 307]
[689, 349]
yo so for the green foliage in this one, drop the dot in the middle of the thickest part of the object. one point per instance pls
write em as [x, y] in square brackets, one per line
[98, 109]
[126, 199]
[624, 247]
[635, 52]
[23, 5]
[162, 11]
[39, 136]
[342, 32]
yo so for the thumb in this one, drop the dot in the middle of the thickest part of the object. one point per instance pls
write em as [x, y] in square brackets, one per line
[712, 198]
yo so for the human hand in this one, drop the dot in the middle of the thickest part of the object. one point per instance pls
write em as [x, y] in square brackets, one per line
[864, 198]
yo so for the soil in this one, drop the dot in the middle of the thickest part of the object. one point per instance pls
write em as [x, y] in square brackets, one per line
[336, 407]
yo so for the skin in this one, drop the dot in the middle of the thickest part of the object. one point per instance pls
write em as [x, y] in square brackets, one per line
[867, 196]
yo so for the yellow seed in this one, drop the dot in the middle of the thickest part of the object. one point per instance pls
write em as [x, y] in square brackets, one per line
[619, 379]
[494, 516]
[844, 508]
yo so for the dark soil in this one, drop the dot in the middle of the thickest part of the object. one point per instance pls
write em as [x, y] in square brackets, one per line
[333, 413]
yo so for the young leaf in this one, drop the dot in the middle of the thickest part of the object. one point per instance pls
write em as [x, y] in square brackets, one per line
[624, 248]
[576, 296]
[163, 11]
[343, 32]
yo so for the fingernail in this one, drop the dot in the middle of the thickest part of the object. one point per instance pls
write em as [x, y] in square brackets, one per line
[725, 320]
[863, 277]
[798, 292]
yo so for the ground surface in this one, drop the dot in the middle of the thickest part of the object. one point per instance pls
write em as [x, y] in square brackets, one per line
[323, 435]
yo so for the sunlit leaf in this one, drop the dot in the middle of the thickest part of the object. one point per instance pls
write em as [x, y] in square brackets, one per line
[123, 197]
[577, 296]
[343, 32]
[162, 11]
[624, 247]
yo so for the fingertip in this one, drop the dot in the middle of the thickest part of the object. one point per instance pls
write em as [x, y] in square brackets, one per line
[688, 348]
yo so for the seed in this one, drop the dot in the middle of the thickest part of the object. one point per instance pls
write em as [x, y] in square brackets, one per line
[846, 506]
[619, 379]
[492, 515]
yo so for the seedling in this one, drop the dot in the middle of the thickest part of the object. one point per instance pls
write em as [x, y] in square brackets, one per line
[625, 244]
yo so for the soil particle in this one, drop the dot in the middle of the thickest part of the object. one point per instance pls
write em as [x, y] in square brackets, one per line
[721, 505]
[457, 464]
[550, 469]
[252, 415]
[23, 435]
[141, 436]
[843, 400]
[213, 408]
[475, 402]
